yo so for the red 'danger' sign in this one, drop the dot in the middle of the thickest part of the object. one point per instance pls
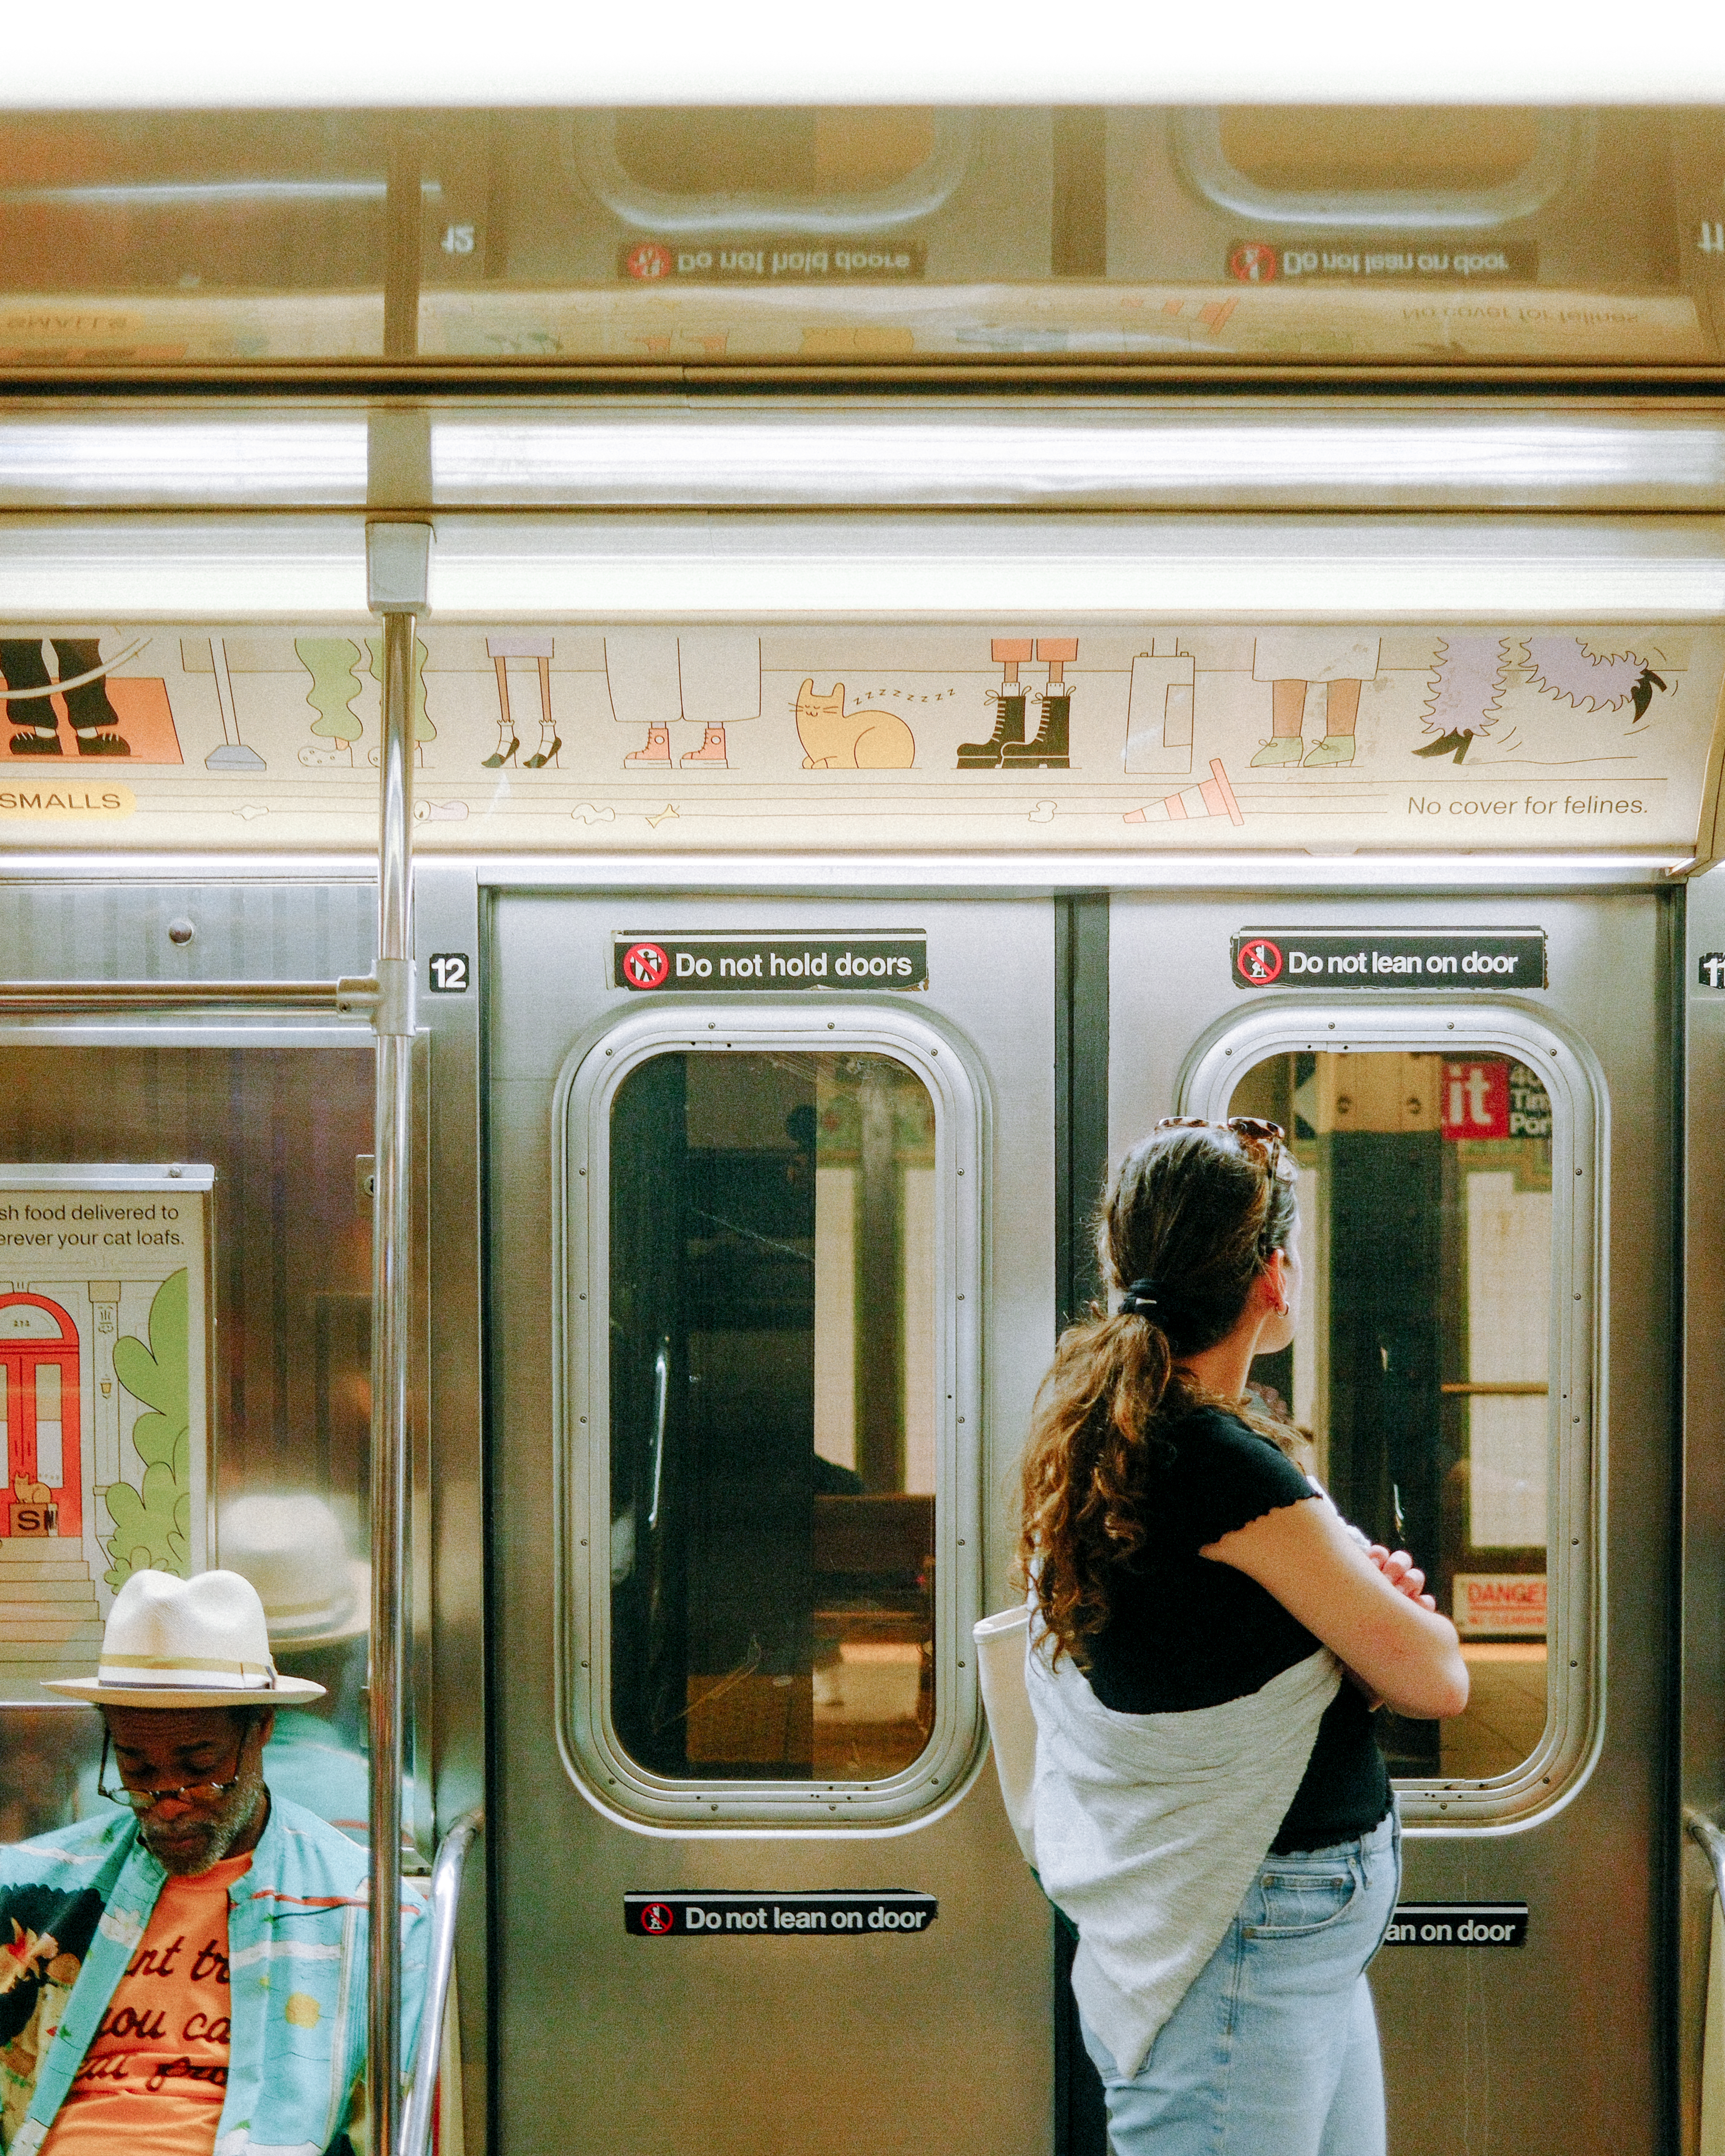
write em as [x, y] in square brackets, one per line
[1506, 1603]
[1474, 1099]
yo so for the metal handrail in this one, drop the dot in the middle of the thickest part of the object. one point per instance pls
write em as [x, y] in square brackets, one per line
[357, 995]
[391, 1311]
[446, 1875]
[1711, 1839]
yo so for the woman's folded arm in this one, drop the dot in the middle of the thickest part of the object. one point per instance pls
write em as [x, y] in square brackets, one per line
[1309, 1560]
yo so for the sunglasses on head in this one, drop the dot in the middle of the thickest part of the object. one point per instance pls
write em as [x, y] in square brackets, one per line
[1267, 1139]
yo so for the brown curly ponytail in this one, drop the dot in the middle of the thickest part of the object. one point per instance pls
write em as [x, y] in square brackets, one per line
[1189, 1224]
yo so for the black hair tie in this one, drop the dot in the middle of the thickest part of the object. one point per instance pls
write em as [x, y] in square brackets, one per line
[1141, 1298]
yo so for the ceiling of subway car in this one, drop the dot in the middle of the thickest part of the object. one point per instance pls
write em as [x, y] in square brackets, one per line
[197, 53]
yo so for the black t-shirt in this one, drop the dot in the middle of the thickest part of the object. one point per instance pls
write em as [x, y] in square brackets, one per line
[1185, 1631]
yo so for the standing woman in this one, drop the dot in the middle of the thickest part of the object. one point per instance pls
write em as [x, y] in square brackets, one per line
[1209, 1639]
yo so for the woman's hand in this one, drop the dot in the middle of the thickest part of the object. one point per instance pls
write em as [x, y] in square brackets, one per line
[1403, 1575]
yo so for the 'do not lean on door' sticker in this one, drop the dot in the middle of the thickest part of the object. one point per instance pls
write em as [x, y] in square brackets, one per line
[1470, 958]
[1458, 1924]
[834, 1913]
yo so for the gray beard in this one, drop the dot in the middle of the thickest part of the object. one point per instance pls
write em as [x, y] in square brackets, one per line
[219, 1836]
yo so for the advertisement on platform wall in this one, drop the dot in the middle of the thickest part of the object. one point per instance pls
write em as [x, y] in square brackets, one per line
[104, 1408]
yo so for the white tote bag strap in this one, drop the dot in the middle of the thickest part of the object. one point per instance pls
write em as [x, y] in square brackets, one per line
[1001, 1641]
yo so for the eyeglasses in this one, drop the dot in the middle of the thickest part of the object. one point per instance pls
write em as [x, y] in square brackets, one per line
[1268, 1139]
[188, 1793]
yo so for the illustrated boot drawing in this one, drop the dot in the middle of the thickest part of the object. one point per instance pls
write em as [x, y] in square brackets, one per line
[1009, 653]
[712, 751]
[1287, 716]
[508, 740]
[549, 741]
[1051, 750]
[38, 732]
[94, 720]
[657, 751]
[1341, 718]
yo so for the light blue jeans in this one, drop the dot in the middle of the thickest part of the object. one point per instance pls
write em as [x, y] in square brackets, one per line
[1275, 2047]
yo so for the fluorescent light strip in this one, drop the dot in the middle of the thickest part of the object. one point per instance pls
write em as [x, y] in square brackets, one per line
[264, 569]
[931, 567]
[909, 873]
[1126, 567]
[54, 463]
[1093, 457]
[902, 51]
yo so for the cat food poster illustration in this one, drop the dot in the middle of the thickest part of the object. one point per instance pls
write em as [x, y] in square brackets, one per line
[828, 738]
[102, 1402]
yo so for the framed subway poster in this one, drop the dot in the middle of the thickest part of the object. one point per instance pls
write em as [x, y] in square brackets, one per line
[104, 1400]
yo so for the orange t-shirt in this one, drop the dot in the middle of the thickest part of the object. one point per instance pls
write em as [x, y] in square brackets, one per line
[156, 2069]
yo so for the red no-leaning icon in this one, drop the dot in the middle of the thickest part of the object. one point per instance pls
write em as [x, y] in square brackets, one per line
[1259, 962]
[1252, 262]
[650, 259]
[657, 1918]
[646, 965]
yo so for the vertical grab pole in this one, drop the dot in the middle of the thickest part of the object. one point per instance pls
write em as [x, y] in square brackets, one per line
[396, 561]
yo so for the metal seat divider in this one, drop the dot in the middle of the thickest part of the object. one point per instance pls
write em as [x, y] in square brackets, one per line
[446, 1875]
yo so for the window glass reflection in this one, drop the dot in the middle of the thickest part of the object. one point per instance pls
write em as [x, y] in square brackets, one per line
[773, 1416]
[774, 150]
[1366, 149]
[1421, 1366]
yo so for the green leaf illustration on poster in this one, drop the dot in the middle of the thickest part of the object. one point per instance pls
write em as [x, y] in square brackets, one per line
[423, 730]
[329, 661]
[151, 1526]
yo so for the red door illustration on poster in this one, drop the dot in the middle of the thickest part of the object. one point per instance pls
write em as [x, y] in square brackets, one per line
[40, 1418]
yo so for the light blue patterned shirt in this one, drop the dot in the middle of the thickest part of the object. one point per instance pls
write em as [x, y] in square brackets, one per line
[296, 1926]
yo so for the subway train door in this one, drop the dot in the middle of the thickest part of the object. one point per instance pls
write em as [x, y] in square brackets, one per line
[1474, 1088]
[748, 1207]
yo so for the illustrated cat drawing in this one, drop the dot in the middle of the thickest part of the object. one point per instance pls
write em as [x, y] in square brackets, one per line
[835, 739]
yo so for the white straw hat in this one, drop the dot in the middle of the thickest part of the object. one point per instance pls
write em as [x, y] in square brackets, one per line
[294, 1551]
[199, 1642]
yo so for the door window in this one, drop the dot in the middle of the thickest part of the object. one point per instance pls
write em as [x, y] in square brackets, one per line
[1441, 1364]
[779, 1403]
[746, 173]
[1361, 167]
[779, 153]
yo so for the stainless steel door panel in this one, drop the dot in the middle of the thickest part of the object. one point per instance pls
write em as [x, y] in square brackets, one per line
[632, 2046]
[1559, 2042]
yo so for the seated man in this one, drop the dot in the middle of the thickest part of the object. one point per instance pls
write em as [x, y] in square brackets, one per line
[189, 1973]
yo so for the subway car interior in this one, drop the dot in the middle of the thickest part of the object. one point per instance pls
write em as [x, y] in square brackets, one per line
[639, 740]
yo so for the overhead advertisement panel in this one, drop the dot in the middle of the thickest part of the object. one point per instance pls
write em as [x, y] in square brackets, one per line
[1018, 736]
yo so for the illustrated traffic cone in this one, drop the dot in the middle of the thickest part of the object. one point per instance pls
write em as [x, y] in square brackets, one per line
[1212, 797]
